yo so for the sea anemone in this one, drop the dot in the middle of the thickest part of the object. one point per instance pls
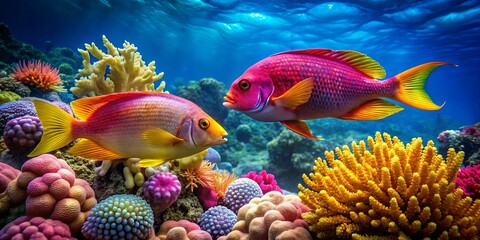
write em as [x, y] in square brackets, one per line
[38, 75]
[202, 175]
[221, 180]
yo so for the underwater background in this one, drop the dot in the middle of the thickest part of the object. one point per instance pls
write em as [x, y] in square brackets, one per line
[202, 46]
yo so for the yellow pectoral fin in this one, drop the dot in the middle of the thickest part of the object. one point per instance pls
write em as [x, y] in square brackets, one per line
[144, 163]
[297, 95]
[158, 136]
[300, 127]
[372, 110]
[90, 149]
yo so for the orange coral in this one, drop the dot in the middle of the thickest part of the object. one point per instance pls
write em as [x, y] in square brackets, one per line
[391, 191]
[202, 175]
[39, 75]
[221, 180]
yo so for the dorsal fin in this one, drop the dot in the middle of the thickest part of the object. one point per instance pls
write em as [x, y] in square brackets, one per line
[357, 60]
[84, 107]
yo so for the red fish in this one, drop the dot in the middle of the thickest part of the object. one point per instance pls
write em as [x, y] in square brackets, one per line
[298, 85]
[156, 127]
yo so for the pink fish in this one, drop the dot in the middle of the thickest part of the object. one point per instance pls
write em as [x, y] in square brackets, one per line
[155, 127]
[298, 85]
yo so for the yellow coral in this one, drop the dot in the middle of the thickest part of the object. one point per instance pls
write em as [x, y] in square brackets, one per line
[126, 72]
[392, 191]
[221, 180]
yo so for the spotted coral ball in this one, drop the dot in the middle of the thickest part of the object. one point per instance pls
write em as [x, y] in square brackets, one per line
[22, 134]
[240, 192]
[218, 221]
[121, 216]
[162, 189]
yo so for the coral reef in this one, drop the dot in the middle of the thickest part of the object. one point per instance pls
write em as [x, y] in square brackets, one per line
[240, 192]
[468, 179]
[466, 139]
[218, 221]
[22, 134]
[38, 75]
[12, 50]
[49, 189]
[161, 191]
[290, 155]
[121, 216]
[213, 156]
[265, 180]
[392, 190]
[221, 181]
[181, 230]
[10, 85]
[273, 216]
[208, 94]
[126, 71]
[7, 174]
[187, 207]
[35, 228]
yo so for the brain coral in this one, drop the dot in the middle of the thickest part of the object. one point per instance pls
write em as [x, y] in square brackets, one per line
[54, 192]
[38, 75]
[273, 216]
[35, 228]
[240, 192]
[218, 221]
[121, 216]
[265, 180]
[390, 191]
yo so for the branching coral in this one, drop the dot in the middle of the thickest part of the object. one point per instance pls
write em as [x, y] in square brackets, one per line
[127, 71]
[390, 191]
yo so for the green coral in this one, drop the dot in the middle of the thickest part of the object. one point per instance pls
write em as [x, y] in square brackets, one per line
[11, 85]
[7, 96]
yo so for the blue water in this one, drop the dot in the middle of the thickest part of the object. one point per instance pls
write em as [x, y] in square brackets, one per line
[221, 38]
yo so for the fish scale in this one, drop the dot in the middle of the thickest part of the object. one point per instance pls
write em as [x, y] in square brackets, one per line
[332, 93]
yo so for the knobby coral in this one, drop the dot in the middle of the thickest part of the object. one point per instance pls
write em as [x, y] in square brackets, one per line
[38, 75]
[390, 191]
[265, 180]
[127, 71]
[468, 179]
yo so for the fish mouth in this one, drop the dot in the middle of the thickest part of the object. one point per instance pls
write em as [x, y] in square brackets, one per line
[222, 139]
[229, 101]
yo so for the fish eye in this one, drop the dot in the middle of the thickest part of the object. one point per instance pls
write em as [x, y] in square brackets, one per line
[244, 84]
[203, 123]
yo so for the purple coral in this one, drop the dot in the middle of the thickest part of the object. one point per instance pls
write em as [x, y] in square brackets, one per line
[161, 190]
[240, 192]
[22, 134]
[35, 228]
[468, 179]
[265, 180]
[11, 110]
[218, 221]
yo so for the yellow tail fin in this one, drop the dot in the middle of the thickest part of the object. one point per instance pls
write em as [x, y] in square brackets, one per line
[411, 90]
[57, 128]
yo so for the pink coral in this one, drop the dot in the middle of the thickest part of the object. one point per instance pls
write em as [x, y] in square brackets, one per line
[54, 192]
[207, 197]
[265, 180]
[468, 179]
[274, 216]
[35, 228]
[7, 174]
[161, 190]
[181, 230]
